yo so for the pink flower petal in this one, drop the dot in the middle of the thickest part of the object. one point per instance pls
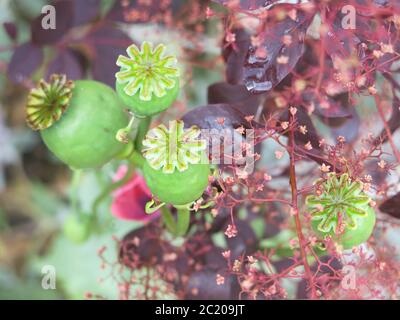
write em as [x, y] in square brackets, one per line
[130, 200]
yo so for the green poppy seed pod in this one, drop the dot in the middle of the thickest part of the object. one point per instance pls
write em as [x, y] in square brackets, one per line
[78, 121]
[148, 81]
[342, 211]
[176, 167]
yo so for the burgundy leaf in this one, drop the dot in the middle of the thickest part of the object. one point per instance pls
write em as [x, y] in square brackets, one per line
[235, 56]
[365, 30]
[213, 258]
[64, 19]
[378, 176]
[392, 206]
[245, 242]
[282, 45]
[394, 121]
[281, 265]
[349, 129]
[202, 285]
[181, 264]
[11, 30]
[25, 60]
[85, 11]
[223, 215]
[382, 3]
[303, 119]
[327, 107]
[216, 116]
[218, 123]
[146, 251]
[106, 44]
[246, 4]
[66, 62]
[370, 8]
[237, 95]
[339, 42]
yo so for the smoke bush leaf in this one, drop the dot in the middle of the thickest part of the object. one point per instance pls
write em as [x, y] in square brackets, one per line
[394, 121]
[311, 135]
[85, 11]
[235, 56]
[66, 62]
[25, 60]
[349, 129]
[245, 242]
[339, 42]
[392, 206]
[202, 285]
[106, 44]
[281, 44]
[253, 4]
[11, 29]
[332, 108]
[216, 116]
[237, 95]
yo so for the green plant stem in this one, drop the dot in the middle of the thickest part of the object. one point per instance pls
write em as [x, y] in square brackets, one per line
[76, 178]
[183, 221]
[142, 129]
[168, 219]
[177, 227]
[136, 159]
[108, 189]
[137, 129]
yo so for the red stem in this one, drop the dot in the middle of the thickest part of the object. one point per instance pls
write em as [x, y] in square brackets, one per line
[293, 185]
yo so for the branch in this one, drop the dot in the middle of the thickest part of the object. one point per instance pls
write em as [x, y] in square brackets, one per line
[293, 185]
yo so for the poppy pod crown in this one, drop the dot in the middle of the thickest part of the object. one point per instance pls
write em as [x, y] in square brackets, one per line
[147, 71]
[173, 148]
[48, 101]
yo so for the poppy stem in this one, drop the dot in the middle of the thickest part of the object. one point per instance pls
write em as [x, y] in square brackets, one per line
[183, 221]
[168, 219]
[142, 129]
[76, 178]
[136, 159]
[108, 189]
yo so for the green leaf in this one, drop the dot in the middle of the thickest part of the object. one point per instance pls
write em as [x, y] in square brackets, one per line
[258, 227]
